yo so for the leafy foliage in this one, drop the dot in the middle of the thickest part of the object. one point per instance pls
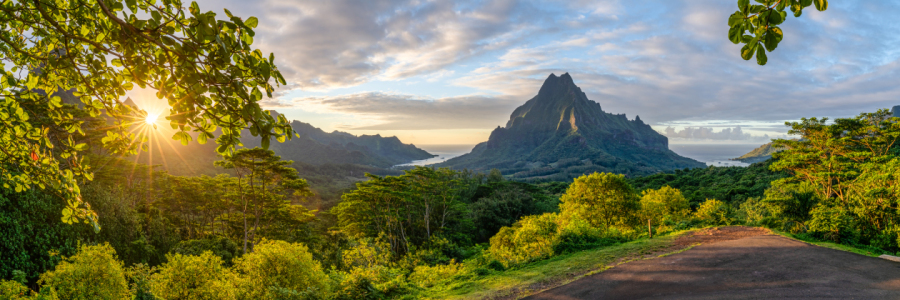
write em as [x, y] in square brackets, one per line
[603, 199]
[204, 67]
[408, 209]
[92, 273]
[714, 212]
[761, 22]
[193, 277]
[729, 184]
[279, 270]
[844, 184]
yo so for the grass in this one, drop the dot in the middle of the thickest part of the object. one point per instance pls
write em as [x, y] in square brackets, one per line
[552, 272]
[873, 252]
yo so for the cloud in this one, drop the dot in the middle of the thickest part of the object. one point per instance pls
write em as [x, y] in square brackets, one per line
[709, 134]
[321, 45]
[664, 60]
[380, 111]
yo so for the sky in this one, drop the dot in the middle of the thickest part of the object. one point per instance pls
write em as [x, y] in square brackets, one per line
[449, 72]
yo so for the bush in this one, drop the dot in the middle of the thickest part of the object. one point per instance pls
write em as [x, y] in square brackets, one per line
[664, 204]
[371, 273]
[222, 247]
[602, 199]
[428, 276]
[13, 290]
[577, 235]
[714, 212]
[495, 265]
[753, 211]
[276, 269]
[529, 239]
[193, 277]
[832, 222]
[92, 273]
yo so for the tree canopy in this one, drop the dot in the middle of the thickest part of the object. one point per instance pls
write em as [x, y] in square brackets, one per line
[97, 51]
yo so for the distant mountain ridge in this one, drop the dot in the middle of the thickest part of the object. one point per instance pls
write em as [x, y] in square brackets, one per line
[762, 153]
[315, 146]
[560, 134]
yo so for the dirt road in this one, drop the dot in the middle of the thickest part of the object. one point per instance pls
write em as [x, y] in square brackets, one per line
[743, 263]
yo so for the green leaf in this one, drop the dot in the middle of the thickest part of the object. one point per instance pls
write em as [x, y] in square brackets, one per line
[132, 5]
[735, 19]
[747, 51]
[782, 5]
[195, 9]
[775, 18]
[228, 13]
[761, 58]
[265, 143]
[743, 5]
[251, 22]
[755, 9]
[771, 41]
[183, 137]
[821, 5]
[734, 34]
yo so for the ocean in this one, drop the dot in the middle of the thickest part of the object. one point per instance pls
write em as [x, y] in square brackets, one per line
[711, 154]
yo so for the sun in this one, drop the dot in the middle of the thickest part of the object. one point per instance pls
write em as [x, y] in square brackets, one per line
[151, 119]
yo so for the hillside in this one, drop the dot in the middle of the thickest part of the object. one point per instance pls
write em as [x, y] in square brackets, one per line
[315, 146]
[762, 153]
[560, 134]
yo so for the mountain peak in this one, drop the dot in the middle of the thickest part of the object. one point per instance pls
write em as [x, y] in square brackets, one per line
[554, 83]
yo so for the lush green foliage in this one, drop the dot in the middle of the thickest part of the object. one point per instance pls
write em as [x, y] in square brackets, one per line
[409, 209]
[729, 184]
[845, 175]
[194, 277]
[714, 212]
[761, 22]
[50, 46]
[281, 270]
[603, 199]
[92, 273]
[664, 204]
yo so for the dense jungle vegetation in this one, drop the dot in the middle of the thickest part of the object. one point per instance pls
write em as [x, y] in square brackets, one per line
[248, 234]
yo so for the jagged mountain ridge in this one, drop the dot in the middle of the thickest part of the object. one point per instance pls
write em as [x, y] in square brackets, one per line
[561, 131]
[315, 146]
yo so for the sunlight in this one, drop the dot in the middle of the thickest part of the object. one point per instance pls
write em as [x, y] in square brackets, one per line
[151, 119]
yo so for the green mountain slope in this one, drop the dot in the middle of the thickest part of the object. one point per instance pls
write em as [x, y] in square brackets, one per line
[315, 146]
[762, 153]
[560, 134]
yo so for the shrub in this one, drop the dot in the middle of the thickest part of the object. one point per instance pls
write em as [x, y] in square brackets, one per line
[714, 212]
[529, 239]
[191, 277]
[377, 282]
[13, 290]
[753, 211]
[830, 221]
[222, 247]
[664, 204]
[495, 265]
[602, 199]
[92, 273]
[371, 273]
[276, 269]
[576, 235]
[139, 275]
[428, 276]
